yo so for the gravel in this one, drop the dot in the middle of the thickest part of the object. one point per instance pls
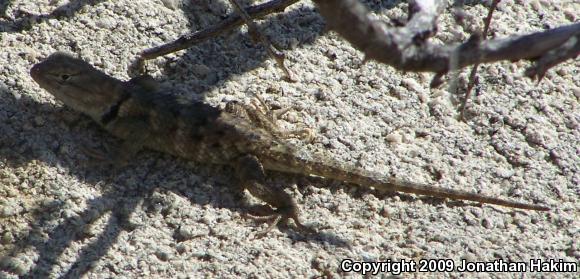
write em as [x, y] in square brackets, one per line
[63, 215]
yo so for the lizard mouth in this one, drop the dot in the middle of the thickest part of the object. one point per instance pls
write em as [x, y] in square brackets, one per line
[38, 74]
[35, 72]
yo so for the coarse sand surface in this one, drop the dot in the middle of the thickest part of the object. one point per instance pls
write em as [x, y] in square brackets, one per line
[63, 216]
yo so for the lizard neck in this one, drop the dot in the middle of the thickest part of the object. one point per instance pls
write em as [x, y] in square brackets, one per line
[110, 94]
[93, 93]
[113, 111]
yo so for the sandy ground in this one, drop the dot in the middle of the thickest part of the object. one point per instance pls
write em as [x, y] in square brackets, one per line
[161, 217]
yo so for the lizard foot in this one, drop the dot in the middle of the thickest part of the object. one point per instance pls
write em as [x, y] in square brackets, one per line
[103, 159]
[272, 220]
[259, 106]
[251, 174]
[275, 217]
[97, 158]
[263, 116]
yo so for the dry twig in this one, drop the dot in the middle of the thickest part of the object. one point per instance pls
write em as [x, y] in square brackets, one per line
[400, 48]
[232, 21]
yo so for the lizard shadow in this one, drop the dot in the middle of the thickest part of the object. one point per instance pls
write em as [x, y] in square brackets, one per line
[51, 234]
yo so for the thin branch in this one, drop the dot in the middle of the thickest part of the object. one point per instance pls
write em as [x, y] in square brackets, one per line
[232, 21]
[569, 50]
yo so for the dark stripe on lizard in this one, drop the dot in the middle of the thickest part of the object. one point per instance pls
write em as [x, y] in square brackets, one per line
[113, 111]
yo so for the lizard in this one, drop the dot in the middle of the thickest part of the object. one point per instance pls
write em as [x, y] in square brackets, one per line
[240, 136]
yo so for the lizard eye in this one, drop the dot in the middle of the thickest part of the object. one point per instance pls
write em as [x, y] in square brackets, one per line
[64, 77]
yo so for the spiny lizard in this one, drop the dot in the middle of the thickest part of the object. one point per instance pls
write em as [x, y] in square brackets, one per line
[240, 136]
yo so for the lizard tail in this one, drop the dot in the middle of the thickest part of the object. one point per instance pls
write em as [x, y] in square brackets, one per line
[363, 178]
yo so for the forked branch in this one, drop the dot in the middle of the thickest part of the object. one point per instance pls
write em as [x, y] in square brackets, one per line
[400, 47]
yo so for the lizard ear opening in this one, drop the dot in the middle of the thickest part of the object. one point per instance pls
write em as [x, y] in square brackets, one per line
[64, 77]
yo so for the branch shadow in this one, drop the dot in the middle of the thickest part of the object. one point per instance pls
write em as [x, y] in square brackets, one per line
[24, 20]
[234, 53]
[73, 229]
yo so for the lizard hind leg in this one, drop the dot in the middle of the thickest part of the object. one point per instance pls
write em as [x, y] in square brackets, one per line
[252, 178]
[259, 106]
[264, 117]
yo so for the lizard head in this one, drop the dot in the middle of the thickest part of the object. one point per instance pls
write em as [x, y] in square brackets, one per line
[77, 83]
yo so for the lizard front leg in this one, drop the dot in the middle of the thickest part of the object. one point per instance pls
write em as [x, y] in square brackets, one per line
[253, 178]
[117, 156]
[132, 131]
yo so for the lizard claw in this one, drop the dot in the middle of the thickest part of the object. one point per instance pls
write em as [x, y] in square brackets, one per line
[273, 219]
[259, 105]
[305, 134]
[96, 158]
[263, 116]
[102, 159]
[273, 222]
[94, 153]
[273, 115]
